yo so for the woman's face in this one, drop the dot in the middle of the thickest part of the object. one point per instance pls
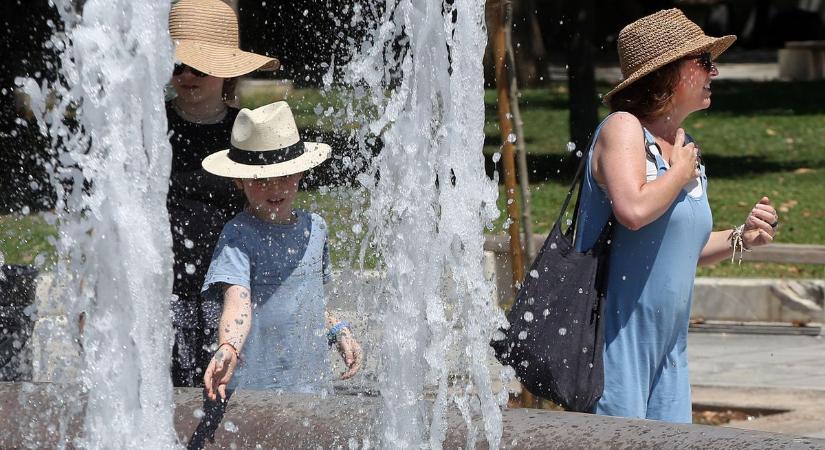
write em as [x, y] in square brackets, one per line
[192, 88]
[693, 91]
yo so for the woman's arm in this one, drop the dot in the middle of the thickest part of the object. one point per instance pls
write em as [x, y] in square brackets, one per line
[619, 164]
[236, 321]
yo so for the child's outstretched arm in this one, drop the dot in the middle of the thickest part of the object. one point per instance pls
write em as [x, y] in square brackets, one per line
[236, 320]
[348, 347]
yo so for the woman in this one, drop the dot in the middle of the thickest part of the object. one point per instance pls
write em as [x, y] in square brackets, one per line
[645, 171]
[200, 121]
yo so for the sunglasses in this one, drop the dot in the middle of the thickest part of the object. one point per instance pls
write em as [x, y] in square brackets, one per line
[180, 68]
[705, 59]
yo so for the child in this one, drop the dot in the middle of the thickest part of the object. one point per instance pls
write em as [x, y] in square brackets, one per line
[200, 118]
[271, 264]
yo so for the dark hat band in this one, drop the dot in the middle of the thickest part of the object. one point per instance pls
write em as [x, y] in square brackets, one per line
[267, 157]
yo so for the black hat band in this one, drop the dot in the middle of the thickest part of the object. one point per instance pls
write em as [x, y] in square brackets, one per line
[267, 157]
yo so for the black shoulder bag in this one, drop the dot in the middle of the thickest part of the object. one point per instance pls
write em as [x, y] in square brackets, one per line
[555, 339]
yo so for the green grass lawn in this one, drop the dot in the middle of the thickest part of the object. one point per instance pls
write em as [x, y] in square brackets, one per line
[758, 138]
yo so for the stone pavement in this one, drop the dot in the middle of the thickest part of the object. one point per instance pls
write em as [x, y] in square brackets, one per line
[763, 361]
[762, 372]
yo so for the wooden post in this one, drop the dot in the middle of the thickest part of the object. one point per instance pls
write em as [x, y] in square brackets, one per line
[495, 20]
[505, 121]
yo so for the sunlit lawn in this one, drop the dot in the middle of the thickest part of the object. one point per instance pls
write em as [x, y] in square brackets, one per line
[757, 139]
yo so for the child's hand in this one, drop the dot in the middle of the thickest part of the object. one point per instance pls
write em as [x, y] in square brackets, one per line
[351, 353]
[219, 371]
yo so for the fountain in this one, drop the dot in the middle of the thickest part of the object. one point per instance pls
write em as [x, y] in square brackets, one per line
[416, 84]
[110, 170]
[430, 188]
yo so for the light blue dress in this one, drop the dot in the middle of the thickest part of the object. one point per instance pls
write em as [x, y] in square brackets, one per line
[650, 287]
[285, 267]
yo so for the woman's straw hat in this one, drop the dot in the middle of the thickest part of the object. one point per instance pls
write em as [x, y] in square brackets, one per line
[661, 38]
[206, 38]
[264, 144]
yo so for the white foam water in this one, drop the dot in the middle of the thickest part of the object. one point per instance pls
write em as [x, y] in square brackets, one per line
[418, 77]
[111, 172]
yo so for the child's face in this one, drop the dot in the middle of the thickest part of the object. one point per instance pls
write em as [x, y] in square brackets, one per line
[271, 199]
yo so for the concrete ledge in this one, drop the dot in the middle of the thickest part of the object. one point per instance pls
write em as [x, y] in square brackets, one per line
[759, 300]
[269, 420]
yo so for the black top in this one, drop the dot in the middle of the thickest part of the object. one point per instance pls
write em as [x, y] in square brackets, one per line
[199, 203]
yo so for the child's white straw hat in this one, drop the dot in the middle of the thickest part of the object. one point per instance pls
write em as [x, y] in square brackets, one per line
[206, 38]
[659, 39]
[264, 144]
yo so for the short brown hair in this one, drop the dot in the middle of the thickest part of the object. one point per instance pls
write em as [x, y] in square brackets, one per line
[651, 95]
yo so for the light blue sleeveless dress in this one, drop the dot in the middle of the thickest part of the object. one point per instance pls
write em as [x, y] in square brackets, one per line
[650, 286]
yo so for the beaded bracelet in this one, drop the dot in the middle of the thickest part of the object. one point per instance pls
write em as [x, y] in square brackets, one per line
[335, 330]
[735, 239]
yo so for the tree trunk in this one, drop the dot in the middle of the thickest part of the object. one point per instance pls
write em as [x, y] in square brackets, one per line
[581, 78]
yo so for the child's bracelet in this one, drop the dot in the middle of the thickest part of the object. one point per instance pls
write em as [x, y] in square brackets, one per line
[234, 350]
[332, 333]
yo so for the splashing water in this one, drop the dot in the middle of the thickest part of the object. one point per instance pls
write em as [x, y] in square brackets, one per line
[420, 71]
[110, 171]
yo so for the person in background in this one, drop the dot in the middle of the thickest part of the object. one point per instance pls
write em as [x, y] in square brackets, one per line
[208, 62]
[271, 265]
[644, 170]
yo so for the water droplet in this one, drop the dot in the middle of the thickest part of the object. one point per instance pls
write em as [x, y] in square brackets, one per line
[356, 228]
[528, 316]
[584, 349]
[230, 427]
[25, 211]
[190, 268]
[511, 137]
[546, 312]
[562, 331]
[581, 291]
[534, 273]
[188, 243]
[496, 157]
[198, 413]
[524, 364]
[571, 146]
[624, 277]
[522, 335]
[553, 245]
[578, 154]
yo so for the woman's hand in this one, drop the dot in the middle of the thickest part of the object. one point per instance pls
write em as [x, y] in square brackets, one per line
[760, 226]
[684, 159]
[350, 352]
[220, 371]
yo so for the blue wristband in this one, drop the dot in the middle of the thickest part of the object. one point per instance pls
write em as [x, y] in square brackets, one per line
[332, 333]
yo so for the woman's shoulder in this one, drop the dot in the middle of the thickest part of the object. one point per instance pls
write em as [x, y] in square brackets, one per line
[621, 128]
[621, 121]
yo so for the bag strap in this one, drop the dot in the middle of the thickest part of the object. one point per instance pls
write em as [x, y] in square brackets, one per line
[578, 179]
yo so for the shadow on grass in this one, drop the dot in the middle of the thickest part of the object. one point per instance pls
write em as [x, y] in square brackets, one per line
[752, 98]
[561, 167]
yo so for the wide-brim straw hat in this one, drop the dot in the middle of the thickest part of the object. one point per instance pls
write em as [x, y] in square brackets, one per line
[205, 33]
[659, 39]
[265, 143]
